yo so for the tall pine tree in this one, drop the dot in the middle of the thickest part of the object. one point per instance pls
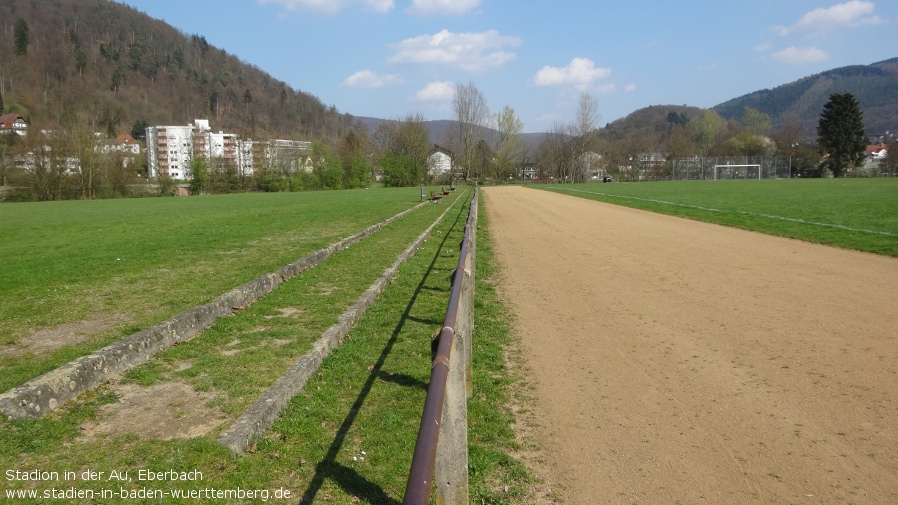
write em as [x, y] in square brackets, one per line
[840, 133]
[21, 37]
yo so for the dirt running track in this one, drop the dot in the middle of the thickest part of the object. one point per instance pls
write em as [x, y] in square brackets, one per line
[681, 362]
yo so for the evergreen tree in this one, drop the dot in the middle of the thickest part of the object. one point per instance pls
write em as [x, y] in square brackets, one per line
[139, 130]
[841, 133]
[21, 37]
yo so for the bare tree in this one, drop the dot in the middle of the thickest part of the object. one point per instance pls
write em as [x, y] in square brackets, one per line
[472, 114]
[679, 143]
[587, 115]
[46, 164]
[582, 132]
[82, 144]
[890, 164]
[555, 152]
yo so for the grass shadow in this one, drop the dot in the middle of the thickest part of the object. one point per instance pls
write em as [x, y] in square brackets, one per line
[329, 468]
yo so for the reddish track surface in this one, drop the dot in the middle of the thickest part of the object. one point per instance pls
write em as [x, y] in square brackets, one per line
[675, 361]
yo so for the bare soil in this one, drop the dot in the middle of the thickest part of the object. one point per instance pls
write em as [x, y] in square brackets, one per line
[164, 411]
[46, 340]
[673, 361]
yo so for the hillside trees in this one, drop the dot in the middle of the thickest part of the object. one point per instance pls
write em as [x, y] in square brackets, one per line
[755, 121]
[93, 50]
[841, 133]
[138, 130]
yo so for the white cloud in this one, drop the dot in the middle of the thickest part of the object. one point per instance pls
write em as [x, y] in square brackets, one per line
[580, 73]
[849, 14]
[629, 88]
[474, 52]
[798, 55]
[779, 30]
[369, 79]
[332, 6]
[606, 89]
[437, 91]
[428, 7]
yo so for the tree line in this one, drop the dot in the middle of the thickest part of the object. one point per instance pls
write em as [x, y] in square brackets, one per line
[63, 163]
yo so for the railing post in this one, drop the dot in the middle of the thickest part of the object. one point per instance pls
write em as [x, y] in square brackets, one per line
[450, 472]
[451, 465]
[441, 450]
[467, 297]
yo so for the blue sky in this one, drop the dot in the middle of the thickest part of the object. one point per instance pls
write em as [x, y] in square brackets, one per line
[390, 58]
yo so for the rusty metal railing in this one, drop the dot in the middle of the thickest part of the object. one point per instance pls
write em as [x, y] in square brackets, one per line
[450, 385]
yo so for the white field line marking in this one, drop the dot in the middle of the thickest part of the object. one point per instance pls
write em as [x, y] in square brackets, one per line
[744, 212]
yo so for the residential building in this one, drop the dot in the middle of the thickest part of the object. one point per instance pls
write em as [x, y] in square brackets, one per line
[439, 163]
[13, 123]
[290, 156]
[171, 148]
[124, 144]
[877, 152]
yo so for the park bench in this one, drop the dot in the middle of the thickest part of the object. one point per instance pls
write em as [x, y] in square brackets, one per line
[444, 191]
[435, 197]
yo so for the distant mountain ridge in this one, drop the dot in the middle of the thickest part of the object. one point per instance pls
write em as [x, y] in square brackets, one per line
[875, 87]
[112, 65]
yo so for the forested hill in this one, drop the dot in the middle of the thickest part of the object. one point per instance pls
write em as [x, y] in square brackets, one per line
[110, 65]
[875, 87]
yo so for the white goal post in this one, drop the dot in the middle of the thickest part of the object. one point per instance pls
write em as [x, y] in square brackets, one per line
[737, 166]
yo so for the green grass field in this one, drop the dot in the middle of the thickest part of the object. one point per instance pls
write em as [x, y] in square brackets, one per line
[114, 267]
[367, 396]
[857, 214]
[127, 264]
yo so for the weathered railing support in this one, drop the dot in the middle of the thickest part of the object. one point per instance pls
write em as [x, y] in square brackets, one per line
[441, 450]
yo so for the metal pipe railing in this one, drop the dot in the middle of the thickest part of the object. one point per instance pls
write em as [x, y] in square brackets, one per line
[420, 479]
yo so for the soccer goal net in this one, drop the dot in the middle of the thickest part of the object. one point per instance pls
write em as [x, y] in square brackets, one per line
[730, 167]
[737, 172]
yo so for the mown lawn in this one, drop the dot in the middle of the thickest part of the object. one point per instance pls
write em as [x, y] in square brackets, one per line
[114, 267]
[857, 214]
[349, 436]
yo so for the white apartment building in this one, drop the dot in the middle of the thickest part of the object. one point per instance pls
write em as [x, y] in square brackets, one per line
[170, 149]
